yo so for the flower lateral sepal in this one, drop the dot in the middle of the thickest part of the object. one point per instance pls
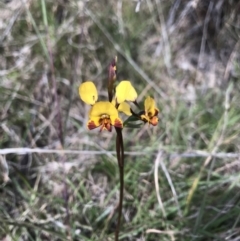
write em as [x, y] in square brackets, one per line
[118, 123]
[124, 107]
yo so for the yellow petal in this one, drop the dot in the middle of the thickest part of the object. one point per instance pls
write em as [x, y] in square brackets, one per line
[103, 108]
[150, 108]
[125, 92]
[125, 108]
[88, 92]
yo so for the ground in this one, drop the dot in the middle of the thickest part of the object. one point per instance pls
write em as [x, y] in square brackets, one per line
[181, 176]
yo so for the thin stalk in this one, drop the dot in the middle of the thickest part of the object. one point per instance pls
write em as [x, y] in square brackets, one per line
[112, 75]
[120, 158]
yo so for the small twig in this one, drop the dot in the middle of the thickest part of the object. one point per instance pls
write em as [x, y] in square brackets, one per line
[4, 170]
[157, 161]
[164, 168]
[197, 153]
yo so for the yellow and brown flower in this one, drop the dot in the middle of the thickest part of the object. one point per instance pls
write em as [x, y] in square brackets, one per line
[150, 112]
[105, 115]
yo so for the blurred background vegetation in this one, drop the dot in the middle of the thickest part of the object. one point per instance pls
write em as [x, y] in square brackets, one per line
[183, 53]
